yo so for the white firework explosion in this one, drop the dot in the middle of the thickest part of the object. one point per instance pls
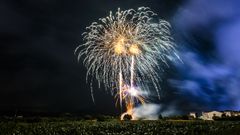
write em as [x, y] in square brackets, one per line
[129, 47]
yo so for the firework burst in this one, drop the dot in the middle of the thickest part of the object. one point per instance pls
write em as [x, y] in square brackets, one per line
[125, 50]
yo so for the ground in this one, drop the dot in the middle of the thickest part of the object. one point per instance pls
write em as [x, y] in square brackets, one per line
[116, 127]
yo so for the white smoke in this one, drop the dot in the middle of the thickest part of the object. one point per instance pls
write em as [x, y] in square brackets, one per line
[152, 112]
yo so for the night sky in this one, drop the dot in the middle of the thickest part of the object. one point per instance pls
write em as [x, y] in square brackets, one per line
[40, 73]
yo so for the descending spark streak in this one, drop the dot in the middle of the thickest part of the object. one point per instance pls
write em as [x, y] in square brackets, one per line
[130, 43]
[131, 86]
[120, 86]
[132, 71]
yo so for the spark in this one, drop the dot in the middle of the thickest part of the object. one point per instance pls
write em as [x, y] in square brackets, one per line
[134, 50]
[133, 92]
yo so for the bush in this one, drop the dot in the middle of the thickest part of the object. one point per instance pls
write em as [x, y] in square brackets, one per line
[227, 118]
[127, 117]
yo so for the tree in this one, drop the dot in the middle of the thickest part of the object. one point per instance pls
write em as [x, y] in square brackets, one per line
[160, 116]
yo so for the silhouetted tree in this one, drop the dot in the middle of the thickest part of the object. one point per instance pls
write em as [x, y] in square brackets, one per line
[160, 117]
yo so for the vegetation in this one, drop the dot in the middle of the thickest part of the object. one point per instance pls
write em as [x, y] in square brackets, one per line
[64, 126]
[227, 118]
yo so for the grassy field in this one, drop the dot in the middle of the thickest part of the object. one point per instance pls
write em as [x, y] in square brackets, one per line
[115, 127]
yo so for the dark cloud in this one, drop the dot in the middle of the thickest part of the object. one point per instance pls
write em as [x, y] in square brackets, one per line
[209, 77]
